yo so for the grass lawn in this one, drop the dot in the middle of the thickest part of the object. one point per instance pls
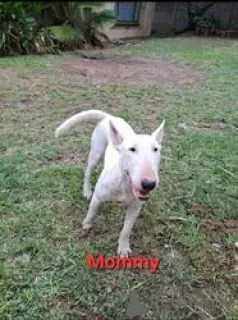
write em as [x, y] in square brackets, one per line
[190, 222]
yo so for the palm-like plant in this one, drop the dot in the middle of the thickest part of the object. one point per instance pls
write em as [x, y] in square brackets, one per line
[24, 26]
[93, 27]
[89, 25]
[19, 33]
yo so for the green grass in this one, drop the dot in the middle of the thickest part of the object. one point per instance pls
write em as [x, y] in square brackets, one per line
[30, 61]
[43, 268]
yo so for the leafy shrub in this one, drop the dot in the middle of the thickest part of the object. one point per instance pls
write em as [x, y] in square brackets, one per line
[93, 27]
[24, 29]
[88, 25]
[19, 31]
[63, 33]
[66, 37]
[208, 23]
[196, 11]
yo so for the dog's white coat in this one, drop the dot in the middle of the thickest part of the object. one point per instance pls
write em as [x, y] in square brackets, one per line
[124, 168]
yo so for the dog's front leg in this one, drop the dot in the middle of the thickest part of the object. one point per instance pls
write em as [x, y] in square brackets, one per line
[132, 213]
[92, 212]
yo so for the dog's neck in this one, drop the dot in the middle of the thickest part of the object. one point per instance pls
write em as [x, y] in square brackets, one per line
[124, 173]
[117, 170]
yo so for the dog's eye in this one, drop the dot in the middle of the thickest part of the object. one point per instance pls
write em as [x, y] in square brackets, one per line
[132, 149]
[155, 149]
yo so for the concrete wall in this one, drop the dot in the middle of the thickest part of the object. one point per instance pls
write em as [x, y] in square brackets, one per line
[171, 16]
[128, 31]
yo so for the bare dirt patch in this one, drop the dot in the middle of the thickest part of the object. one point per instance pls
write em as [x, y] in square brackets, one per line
[218, 126]
[224, 257]
[212, 127]
[223, 225]
[194, 208]
[130, 70]
[68, 159]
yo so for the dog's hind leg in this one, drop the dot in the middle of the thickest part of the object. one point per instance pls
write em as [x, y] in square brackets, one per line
[98, 147]
[92, 212]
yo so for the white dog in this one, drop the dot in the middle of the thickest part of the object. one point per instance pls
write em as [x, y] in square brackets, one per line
[131, 167]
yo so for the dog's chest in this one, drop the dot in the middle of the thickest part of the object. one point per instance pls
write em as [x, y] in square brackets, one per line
[123, 193]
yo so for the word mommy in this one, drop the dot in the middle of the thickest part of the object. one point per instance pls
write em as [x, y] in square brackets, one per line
[130, 263]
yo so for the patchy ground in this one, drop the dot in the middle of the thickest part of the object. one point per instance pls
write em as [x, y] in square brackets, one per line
[130, 70]
[190, 222]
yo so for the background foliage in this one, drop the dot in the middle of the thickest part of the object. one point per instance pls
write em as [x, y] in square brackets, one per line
[46, 27]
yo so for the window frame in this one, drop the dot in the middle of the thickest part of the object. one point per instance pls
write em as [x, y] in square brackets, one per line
[136, 15]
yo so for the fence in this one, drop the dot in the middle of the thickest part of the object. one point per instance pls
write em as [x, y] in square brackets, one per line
[171, 17]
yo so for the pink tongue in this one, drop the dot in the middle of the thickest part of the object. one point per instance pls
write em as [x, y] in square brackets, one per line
[144, 193]
[139, 193]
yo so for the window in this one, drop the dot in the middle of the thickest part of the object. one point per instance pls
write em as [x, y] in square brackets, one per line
[127, 12]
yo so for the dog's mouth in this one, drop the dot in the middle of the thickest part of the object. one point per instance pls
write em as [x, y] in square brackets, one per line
[140, 194]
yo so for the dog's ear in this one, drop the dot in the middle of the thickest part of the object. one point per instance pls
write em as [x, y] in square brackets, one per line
[159, 133]
[115, 135]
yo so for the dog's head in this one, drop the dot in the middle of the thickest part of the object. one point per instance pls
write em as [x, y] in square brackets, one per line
[140, 158]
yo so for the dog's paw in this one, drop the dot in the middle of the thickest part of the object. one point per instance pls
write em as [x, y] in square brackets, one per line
[124, 251]
[81, 234]
[86, 225]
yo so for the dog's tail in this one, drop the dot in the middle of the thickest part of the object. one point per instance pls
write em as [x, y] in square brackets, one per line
[95, 115]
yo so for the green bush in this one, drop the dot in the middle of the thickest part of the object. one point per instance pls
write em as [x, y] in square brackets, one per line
[208, 22]
[20, 32]
[63, 33]
[24, 29]
[66, 37]
[88, 25]
[196, 11]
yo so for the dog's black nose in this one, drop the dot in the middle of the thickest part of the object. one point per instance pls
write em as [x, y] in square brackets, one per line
[148, 184]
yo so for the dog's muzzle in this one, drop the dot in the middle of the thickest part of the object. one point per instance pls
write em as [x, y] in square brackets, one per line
[141, 194]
